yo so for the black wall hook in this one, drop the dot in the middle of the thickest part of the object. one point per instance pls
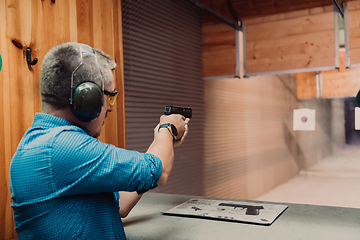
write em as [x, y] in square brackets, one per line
[28, 57]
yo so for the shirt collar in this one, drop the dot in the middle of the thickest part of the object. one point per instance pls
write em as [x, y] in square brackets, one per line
[51, 121]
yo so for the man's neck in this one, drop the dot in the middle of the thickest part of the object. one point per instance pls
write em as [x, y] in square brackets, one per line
[64, 113]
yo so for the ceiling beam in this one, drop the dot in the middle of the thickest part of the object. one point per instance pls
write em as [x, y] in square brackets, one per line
[259, 8]
[215, 14]
[339, 6]
[232, 10]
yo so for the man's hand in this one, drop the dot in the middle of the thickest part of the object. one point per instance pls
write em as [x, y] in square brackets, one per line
[181, 124]
[178, 142]
[163, 144]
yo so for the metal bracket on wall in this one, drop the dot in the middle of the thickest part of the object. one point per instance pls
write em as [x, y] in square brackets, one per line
[215, 14]
[28, 58]
[318, 85]
[339, 6]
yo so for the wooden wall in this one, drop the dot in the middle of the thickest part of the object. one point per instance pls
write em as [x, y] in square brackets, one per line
[290, 41]
[334, 83]
[306, 85]
[40, 25]
[342, 82]
[219, 50]
[354, 31]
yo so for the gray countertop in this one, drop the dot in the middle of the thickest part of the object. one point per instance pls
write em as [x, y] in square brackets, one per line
[297, 222]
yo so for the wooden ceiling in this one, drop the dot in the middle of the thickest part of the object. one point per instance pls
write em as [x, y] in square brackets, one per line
[238, 10]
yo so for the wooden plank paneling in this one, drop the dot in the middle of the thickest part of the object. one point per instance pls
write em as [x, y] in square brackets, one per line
[219, 50]
[306, 85]
[41, 25]
[340, 83]
[290, 41]
[354, 31]
[5, 218]
[18, 94]
[85, 30]
[103, 38]
[119, 74]
[334, 83]
[245, 9]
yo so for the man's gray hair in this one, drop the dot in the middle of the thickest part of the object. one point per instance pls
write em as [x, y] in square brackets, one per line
[58, 66]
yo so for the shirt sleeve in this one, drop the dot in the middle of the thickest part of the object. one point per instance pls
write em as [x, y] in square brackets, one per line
[81, 164]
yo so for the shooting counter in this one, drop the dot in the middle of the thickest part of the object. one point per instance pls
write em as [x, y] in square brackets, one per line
[298, 221]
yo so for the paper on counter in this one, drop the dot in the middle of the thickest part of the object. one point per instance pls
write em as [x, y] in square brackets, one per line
[234, 211]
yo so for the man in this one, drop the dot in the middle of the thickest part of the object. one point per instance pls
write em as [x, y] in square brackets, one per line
[64, 182]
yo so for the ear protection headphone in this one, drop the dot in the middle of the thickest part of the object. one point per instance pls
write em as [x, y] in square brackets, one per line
[87, 99]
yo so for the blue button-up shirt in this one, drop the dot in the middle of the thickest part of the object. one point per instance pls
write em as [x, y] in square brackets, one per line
[64, 182]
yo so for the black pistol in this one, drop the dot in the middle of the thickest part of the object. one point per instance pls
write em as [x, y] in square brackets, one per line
[186, 112]
[250, 210]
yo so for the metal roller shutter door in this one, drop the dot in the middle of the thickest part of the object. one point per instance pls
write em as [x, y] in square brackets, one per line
[163, 65]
